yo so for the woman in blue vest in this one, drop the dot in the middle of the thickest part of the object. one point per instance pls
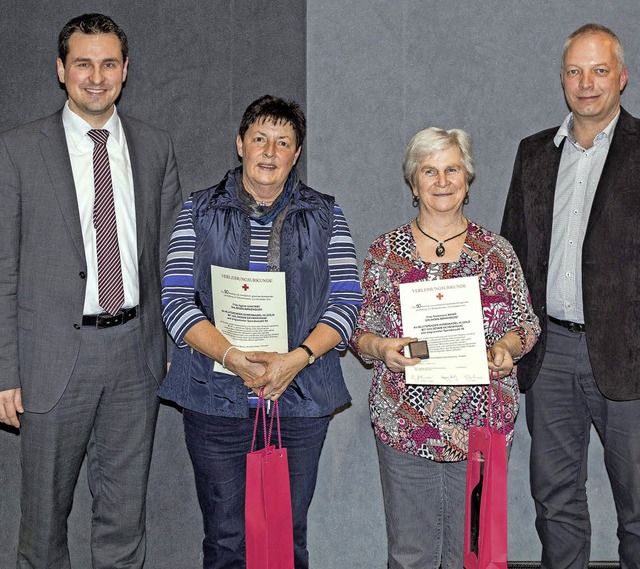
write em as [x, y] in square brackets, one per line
[260, 217]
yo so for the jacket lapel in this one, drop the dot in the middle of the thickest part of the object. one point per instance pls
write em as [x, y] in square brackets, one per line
[624, 137]
[136, 146]
[547, 166]
[56, 158]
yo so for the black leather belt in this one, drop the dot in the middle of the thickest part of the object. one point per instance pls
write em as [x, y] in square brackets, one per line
[106, 320]
[571, 326]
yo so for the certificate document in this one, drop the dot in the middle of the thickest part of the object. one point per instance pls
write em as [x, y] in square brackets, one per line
[448, 315]
[250, 309]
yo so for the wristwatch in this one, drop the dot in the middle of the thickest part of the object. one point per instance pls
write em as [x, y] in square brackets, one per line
[312, 357]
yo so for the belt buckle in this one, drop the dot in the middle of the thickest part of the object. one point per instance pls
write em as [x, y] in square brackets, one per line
[108, 321]
[576, 327]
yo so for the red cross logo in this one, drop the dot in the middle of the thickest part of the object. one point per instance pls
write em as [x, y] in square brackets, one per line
[245, 287]
[439, 296]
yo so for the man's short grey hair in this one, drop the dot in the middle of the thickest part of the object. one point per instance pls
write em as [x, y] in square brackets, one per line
[431, 140]
[594, 28]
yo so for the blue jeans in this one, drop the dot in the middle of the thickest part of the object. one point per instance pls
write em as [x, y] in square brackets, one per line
[424, 509]
[561, 406]
[218, 447]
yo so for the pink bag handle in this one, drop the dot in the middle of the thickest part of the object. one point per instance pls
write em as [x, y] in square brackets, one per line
[497, 389]
[262, 410]
[276, 414]
[264, 421]
[491, 415]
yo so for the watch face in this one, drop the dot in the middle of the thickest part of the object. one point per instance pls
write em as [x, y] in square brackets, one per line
[312, 357]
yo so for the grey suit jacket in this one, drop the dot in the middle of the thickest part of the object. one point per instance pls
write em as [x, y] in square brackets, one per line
[610, 254]
[42, 260]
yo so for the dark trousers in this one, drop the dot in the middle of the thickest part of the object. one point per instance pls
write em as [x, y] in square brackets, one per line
[218, 447]
[561, 407]
[108, 412]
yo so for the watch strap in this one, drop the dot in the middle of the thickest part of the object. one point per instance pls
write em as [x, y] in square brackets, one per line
[312, 356]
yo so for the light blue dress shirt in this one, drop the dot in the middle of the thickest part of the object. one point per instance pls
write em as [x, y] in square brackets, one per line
[578, 177]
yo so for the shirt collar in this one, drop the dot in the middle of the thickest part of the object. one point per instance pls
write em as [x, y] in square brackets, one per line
[566, 130]
[76, 128]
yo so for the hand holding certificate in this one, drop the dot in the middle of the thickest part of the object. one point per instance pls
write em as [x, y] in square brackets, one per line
[250, 309]
[447, 314]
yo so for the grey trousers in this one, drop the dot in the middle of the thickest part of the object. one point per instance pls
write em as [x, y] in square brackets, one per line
[108, 412]
[561, 407]
[424, 509]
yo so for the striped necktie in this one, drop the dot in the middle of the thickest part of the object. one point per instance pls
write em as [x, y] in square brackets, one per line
[110, 288]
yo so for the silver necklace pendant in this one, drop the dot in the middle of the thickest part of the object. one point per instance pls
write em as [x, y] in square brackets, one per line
[440, 248]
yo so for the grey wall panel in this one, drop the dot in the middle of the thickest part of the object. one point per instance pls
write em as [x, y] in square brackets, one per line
[346, 522]
[194, 67]
[378, 71]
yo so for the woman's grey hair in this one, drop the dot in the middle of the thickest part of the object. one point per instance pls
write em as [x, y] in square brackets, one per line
[431, 140]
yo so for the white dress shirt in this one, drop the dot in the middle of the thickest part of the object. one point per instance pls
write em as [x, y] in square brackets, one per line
[81, 154]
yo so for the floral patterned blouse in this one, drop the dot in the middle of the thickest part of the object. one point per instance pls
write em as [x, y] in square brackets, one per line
[433, 421]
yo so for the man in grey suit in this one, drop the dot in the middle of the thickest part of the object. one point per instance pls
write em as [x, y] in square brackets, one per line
[572, 215]
[82, 342]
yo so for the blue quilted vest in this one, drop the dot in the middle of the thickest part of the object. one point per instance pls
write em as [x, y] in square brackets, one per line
[223, 234]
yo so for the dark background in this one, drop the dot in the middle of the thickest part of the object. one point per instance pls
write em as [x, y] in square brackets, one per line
[369, 73]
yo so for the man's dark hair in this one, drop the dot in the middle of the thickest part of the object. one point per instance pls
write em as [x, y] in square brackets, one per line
[91, 24]
[277, 110]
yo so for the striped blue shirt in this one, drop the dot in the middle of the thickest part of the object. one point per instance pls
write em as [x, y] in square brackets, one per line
[180, 311]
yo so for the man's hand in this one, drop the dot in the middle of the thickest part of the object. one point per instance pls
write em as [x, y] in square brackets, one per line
[10, 406]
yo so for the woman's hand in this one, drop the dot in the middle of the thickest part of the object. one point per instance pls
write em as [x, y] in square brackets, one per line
[238, 362]
[269, 370]
[500, 355]
[279, 371]
[387, 350]
[207, 339]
